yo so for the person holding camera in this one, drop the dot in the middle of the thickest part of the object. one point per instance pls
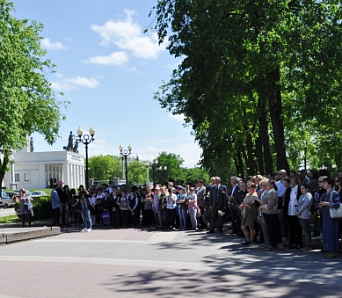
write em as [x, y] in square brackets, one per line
[85, 209]
[25, 207]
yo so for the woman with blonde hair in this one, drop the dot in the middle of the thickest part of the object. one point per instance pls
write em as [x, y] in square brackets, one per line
[25, 207]
[247, 208]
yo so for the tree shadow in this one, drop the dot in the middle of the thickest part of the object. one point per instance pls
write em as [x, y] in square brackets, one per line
[232, 270]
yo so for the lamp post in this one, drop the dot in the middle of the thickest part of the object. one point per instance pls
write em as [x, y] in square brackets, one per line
[86, 139]
[163, 170]
[125, 153]
[154, 165]
[12, 160]
[147, 164]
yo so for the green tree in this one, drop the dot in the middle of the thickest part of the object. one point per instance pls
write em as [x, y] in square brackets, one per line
[172, 162]
[194, 174]
[105, 167]
[136, 172]
[248, 67]
[24, 89]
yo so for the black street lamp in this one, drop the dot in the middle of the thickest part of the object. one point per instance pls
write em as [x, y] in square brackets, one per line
[86, 139]
[154, 165]
[124, 154]
[163, 170]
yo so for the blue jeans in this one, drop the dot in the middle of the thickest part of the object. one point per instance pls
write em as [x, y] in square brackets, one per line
[182, 214]
[87, 223]
[193, 213]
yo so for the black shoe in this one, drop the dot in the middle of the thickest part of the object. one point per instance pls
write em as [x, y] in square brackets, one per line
[210, 232]
[246, 243]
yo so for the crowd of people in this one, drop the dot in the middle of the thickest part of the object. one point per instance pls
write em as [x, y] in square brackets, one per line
[272, 211]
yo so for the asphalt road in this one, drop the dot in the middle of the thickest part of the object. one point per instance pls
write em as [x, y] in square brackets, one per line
[147, 263]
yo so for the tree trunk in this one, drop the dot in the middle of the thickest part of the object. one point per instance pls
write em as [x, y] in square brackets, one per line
[275, 110]
[239, 164]
[3, 167]
[259, 156]
[263, 132]
[250, 160]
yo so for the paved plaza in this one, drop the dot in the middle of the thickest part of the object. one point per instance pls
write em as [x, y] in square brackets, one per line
[149, 263]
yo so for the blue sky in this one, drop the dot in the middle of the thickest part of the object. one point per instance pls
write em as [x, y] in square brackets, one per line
[108, 70]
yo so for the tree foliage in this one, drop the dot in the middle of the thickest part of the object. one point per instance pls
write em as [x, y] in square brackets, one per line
[27, 102]
[108, 167]
[259, 80]
[105, 167]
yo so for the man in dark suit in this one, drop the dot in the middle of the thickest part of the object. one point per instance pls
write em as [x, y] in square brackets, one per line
[217, 203]
[234, 202]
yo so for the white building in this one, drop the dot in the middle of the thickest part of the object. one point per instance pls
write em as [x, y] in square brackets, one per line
[32, 170]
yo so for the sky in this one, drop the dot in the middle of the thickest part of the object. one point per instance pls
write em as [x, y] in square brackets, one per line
[108, 70]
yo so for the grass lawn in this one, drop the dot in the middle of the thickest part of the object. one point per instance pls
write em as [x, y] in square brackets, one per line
[10, 219]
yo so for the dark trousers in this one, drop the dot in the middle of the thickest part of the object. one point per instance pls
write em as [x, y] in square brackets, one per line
[236, 219]
[98, 215]
[258, 230]
[148, 217]
[273, 228]
[201, 223]
[115, 218]
[216, 220]
[295, 231]
[134, 217]
[124, 217]
[170, 218]
[56, 214]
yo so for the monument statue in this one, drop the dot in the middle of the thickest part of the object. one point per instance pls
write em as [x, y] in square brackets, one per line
[75, 149]
[70, 145]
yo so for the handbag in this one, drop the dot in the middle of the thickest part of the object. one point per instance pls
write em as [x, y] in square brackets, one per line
[106, 217]
[335, 212]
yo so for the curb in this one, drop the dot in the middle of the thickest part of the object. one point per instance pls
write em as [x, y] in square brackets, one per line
[20, 234]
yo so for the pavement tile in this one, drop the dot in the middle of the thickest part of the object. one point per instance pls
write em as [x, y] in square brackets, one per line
[147, 263]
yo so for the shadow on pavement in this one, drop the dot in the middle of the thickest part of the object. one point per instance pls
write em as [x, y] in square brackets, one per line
[238, 272]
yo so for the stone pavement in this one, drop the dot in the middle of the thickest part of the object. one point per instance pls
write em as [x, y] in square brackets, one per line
[149, 263]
